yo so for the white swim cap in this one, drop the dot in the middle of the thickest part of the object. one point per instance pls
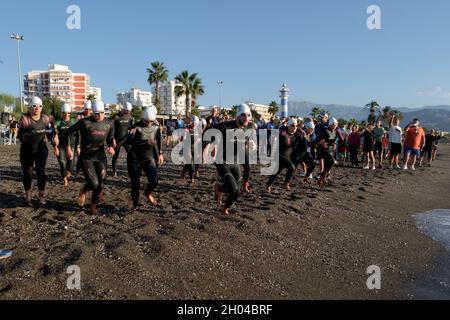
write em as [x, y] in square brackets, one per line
[98, 106]
[88, 105]
[127, 107]
[66, 108]
[36, 101]
[244, 108]
[292, 122]
[310, 125]
[150, 113]
[332, 121]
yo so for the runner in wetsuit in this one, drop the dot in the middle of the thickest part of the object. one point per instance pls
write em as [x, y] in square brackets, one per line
[65, 140]
[230, 174]
[326, 147]
[301, 154]
[288, 143]
[122, 125]
[192, 167]
[33, 150]
[145, 154]
[94, 132]
[86, 113]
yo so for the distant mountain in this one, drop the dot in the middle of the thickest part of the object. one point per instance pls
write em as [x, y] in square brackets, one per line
[430, 118]
[437, 117]
[304, 108]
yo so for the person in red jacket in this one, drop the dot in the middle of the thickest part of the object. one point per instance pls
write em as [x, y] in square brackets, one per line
[354, 142]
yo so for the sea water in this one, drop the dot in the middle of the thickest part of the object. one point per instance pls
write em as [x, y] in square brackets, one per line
[435, 284]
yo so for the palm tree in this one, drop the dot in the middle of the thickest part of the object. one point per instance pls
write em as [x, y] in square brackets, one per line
[342, 122]
[90, 97]
[386, 111]
[273, 108]
[189, 86]
[52, 106]
[156, 74]
[233, 112]
[196, 110]
[315, 112]
[373, 107]
[255, 115]
[353, 122]
[397, 114]
[197, 90]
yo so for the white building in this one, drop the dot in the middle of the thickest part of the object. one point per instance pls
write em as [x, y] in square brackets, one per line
[58, 81]
[261, 109]
[170, 103]
[136, 97]
[97, 92]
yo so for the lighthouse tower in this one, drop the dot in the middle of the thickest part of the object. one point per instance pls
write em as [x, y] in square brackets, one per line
[284, 95]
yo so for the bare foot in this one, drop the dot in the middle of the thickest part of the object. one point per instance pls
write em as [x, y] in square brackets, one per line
[218, 194]
[28, 197]
[152, 200]
[93, 210]
[269, 189]
[42, 198]
[288, 187]
[82, 197]
[225, 211]
[66, 181]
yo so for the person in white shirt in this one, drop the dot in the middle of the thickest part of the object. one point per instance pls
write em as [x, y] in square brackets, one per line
[395, 139]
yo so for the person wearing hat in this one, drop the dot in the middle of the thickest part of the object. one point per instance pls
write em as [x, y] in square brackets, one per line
[33, 149]
[302, 151]
[87, 112]
[230, 173]
[326, 148]
[320, 131]
[123, 122]
[146, 154]
[414, 142]
[65, 140]
[213, 119]
[95, 131]
[288, 143]
[192, 165]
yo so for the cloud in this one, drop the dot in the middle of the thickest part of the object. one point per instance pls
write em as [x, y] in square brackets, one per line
[432, 93]
[437, 92]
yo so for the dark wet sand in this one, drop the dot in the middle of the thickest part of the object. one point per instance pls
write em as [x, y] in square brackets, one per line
[308, 244]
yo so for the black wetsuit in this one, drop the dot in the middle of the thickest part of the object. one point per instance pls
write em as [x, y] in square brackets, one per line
[93, 137]
[288, 143]
[194, 165]
[65, 140]
[33, 150]
[122, 125]
[325, 151]
[145, 147]
[301, 154]
[230, 173]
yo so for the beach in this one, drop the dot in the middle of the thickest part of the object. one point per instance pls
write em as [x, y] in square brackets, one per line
[304, 244]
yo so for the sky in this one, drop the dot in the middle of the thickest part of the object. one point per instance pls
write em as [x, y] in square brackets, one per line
[322, 49]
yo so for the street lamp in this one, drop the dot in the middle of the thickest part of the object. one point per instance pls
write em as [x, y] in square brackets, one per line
[19, 38]
[220, 83]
